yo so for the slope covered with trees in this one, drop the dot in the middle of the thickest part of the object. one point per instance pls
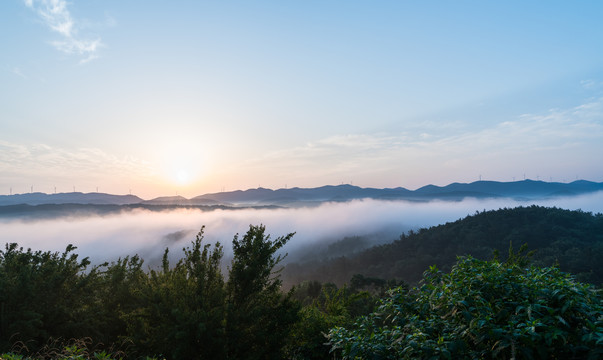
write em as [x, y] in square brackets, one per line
[573, 239]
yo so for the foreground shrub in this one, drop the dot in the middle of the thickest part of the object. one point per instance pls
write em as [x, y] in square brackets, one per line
[179, 311]
[485, 310]
[44, 295]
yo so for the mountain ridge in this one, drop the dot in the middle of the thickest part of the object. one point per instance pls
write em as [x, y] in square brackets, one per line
[96, 198]
[524, 189]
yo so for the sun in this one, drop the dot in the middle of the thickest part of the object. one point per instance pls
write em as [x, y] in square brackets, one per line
[183, 177]
[182, 174]
[181, 165]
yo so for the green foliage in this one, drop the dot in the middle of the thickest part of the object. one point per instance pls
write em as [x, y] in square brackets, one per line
[45, 294]
[326, 306]
[72, 349]
[481, 309]
[259, 316]
[181, 308]
[188, 311]
[11, 356]
[180, 311]
[331, 307]
[118, 294]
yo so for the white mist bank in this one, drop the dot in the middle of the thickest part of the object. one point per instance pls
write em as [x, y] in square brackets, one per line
[147, 233]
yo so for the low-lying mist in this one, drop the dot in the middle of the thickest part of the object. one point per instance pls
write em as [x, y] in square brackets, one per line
[148, 233]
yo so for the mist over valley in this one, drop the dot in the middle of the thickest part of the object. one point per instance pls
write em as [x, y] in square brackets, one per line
[107, 232]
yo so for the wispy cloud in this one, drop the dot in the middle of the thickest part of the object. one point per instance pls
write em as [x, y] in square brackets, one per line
[36, 162]
[56, 15]
[541, 139]
[591, 84]
[18, 72]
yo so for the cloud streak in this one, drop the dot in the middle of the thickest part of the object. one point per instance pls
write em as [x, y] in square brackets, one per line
[56, 15]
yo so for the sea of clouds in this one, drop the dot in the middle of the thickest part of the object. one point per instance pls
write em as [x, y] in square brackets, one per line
[148, 233]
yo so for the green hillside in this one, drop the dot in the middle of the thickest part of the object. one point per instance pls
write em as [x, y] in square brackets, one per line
[573, 239]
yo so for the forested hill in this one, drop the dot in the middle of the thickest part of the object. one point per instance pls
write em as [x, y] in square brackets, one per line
[573, 239]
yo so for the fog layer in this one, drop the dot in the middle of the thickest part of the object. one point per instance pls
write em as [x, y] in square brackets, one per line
[104, 238]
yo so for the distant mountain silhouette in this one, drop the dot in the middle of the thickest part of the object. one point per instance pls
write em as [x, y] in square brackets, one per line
[38, 198]
[294, 195]
[523, 190]
[526, 189]
[168, 200]
[179, 200]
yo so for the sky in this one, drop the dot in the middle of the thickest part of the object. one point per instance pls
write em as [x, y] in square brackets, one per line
[190, 97]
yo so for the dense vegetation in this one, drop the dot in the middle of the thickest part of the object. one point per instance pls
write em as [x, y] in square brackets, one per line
[56, 305]
[181, 311]
[571, 239]
[482, 310]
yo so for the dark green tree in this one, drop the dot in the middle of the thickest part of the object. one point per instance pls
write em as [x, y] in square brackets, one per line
[182, 307]
[331, 307]
[118, 295]
[259, 317]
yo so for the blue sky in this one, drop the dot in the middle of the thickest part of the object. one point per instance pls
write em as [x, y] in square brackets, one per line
[192, 97]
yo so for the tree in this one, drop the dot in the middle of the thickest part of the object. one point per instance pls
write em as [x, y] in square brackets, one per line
[182, 307]
[259, 316]
[328, 308]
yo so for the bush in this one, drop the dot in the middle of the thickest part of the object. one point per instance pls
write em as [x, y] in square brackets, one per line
[184, 310]
[481, 309]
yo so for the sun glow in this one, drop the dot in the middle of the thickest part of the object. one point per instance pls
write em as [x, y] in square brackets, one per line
[183, 172]
[183, 177]
[182, 161]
